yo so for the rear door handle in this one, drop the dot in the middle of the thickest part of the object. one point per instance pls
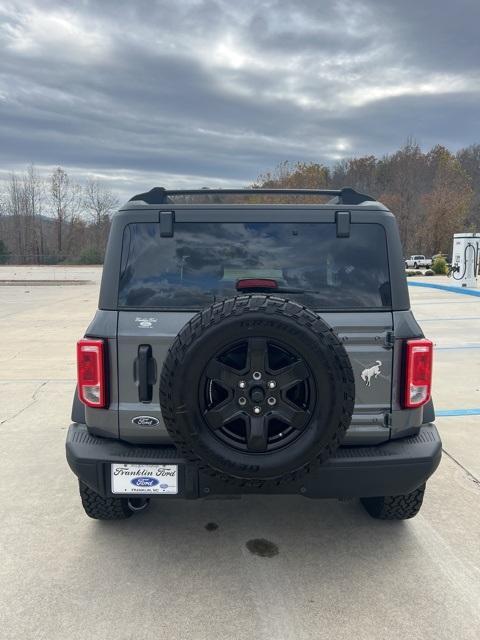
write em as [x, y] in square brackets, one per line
[145, 372]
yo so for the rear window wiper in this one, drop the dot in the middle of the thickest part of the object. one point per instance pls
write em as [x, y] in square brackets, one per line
[266, 285]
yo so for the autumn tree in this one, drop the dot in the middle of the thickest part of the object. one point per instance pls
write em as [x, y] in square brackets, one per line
[404, 177]
[359, 172]
[4, 252]
[65, 200]
[469, 160]
[447, 204]
[100, 204]
[34, 203]
[99, 201]
[297, 175]
[24, 202]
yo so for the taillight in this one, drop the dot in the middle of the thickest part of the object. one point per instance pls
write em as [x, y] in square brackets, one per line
[418, 372]
[91, 372]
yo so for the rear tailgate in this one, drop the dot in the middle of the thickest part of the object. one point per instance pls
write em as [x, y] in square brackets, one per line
[366, 337]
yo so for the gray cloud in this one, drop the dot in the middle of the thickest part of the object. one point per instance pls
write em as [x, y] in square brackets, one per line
[212, 92]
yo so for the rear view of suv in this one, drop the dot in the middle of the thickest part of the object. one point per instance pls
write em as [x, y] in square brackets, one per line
[253, 348]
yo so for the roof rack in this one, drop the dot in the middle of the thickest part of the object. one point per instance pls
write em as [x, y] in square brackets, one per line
[159, 195]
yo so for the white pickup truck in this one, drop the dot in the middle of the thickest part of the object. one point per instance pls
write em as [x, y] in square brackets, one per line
[416, 262]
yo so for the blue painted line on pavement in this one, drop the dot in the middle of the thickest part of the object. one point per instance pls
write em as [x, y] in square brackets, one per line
[458, 348]
[446, 287]
[429, 302]
[449, 318]
[457, 412]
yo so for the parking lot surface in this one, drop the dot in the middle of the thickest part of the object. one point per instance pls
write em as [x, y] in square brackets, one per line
[165, 573]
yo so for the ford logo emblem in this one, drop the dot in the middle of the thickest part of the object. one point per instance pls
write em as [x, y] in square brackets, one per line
[143, 481]
[146, 421]
[164, 486]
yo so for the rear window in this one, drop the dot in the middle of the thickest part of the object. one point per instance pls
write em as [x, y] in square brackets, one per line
[202, 262]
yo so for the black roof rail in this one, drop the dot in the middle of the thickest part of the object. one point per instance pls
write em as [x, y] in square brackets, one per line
[159, 195]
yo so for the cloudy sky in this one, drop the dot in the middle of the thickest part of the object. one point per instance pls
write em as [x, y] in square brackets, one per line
[213, 92]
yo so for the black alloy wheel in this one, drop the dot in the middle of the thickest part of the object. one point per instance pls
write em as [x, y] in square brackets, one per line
[257, 395]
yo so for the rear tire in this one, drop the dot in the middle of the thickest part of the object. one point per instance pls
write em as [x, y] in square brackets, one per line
[100, 508]
[395, 507]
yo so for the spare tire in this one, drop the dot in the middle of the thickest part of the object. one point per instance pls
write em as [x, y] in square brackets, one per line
[257, 388]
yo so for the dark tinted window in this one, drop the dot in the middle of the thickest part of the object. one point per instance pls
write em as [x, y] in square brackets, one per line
[202, 262]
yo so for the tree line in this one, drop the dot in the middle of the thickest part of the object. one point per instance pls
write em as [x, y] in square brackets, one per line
[433, 194]
[54, 219]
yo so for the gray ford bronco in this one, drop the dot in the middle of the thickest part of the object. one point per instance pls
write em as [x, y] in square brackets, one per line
[253, 348]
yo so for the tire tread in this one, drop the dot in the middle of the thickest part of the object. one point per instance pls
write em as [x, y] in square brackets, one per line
[400, 507]
[100, 508]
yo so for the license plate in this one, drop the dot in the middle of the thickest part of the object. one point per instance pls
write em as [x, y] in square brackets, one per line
[145, 478]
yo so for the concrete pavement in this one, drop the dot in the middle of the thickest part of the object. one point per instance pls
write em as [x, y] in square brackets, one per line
[163, 574]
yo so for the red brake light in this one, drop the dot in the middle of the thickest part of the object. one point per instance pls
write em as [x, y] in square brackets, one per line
[256, 283]
[418, 372]
[91, 372]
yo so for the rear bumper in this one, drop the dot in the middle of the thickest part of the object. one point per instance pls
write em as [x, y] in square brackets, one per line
[392, 468]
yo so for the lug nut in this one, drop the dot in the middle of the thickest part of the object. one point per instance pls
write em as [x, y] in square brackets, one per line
[257, 410]
[271, 401]
[242, 401]
[242, 384]
[257, 375]
[271, 384]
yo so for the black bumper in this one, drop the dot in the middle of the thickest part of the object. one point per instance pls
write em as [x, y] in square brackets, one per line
[388, 469]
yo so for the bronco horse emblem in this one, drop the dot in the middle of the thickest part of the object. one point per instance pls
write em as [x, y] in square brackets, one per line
[371, 372]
